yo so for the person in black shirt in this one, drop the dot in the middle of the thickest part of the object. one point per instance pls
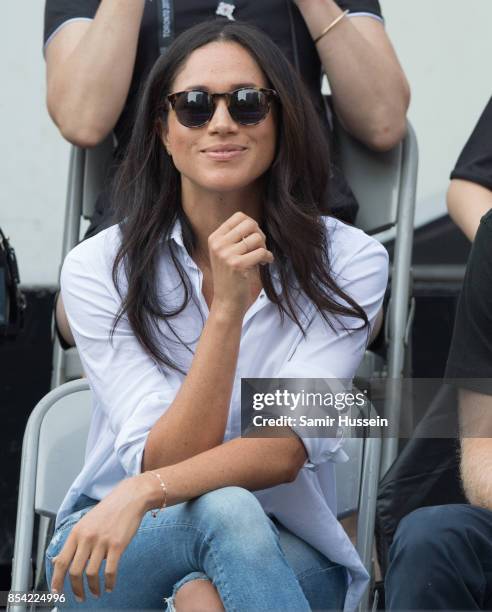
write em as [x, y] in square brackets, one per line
[470, 192]
[98, 53]
[447, 550]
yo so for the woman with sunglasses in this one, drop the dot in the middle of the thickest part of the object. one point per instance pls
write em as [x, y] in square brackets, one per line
[98, 53]
[221, 267]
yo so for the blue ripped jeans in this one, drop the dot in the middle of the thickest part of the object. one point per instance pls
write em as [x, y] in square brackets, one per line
[223, 536]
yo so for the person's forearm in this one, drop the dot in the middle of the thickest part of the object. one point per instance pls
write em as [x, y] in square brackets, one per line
[476, 446]
[251, 463]
[197, 418]
[88, 88]
[370, 92]
[467, 203]
[476, 471]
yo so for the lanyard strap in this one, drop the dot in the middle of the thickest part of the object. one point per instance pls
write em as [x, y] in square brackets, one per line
[165, 22]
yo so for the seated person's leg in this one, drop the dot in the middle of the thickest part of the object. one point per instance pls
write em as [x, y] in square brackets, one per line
[441, 559]
[223, 534]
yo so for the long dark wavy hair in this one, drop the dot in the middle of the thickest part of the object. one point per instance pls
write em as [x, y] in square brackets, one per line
[147, 194]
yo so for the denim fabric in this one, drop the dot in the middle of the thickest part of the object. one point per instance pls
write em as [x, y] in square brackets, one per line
[224, 536]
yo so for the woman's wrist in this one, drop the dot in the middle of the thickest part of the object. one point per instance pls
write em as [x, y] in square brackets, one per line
[225, 313]
[318, 14]
[150, 491]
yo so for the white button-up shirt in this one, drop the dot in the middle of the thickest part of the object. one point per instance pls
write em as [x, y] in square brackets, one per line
[131, 391]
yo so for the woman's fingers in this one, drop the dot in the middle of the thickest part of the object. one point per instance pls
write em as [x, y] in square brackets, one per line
[245, 228]
[112, 560]
[231, 223]
[253, 258]
[61, 564]
[77, 567]
[250, 243]
[92, 569]
[232, 230]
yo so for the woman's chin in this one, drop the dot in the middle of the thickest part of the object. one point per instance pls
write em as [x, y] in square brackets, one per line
[227, 185]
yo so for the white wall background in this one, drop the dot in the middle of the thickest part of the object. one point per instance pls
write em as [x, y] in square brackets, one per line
[444, 46]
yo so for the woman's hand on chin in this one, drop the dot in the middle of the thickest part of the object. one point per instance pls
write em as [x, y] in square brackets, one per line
[103, 533]
[236, 248]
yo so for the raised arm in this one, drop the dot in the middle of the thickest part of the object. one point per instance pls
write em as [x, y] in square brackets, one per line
[370, 92]
[159, 419]
[89, 70]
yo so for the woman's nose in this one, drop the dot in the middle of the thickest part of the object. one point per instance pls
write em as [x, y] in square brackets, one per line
[221, 119]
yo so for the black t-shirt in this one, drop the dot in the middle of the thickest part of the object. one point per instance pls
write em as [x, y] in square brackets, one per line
[280, 19]
[475, 162]
[470, 357]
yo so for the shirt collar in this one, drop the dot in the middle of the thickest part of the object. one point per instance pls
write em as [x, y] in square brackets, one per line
[176, 234]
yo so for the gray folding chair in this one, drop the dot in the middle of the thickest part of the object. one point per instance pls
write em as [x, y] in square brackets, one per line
[385, 187]
[53, 453]
[88, 169]
[357, 489]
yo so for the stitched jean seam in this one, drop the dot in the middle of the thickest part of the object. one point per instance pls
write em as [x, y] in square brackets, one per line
[318, 570]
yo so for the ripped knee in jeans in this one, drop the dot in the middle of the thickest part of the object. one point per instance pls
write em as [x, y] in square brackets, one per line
[170, 601]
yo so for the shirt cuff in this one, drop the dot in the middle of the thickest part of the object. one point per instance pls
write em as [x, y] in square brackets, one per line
[321, 450]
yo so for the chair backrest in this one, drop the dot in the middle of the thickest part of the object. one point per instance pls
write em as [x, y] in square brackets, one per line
[385, 186]
[348, 478]
[62, 440]
[376, 178]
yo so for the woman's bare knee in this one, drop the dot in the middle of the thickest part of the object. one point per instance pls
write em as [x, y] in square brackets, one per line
[198, 596]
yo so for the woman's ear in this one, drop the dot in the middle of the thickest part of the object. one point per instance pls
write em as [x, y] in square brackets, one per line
[161, 129]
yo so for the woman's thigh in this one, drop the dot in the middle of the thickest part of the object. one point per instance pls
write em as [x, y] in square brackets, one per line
[323, 582]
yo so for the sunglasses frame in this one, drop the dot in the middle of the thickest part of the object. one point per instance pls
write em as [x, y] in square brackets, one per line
[269, 94]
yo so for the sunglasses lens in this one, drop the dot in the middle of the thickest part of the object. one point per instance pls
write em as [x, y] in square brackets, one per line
[193, 108]
[248, 106]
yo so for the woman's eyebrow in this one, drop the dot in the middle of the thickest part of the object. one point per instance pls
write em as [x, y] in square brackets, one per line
[231, 88]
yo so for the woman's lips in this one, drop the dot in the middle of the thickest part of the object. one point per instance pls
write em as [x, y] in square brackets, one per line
[224, 154]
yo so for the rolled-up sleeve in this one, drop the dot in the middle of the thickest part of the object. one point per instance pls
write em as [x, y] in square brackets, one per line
[130, 388]
[335, 354]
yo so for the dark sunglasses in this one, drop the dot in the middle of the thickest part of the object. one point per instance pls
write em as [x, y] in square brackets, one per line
[247, 106]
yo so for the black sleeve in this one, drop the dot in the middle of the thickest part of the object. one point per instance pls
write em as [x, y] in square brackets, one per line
[57, 12]
[475, 162]
[470, 356]
[361, 6]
